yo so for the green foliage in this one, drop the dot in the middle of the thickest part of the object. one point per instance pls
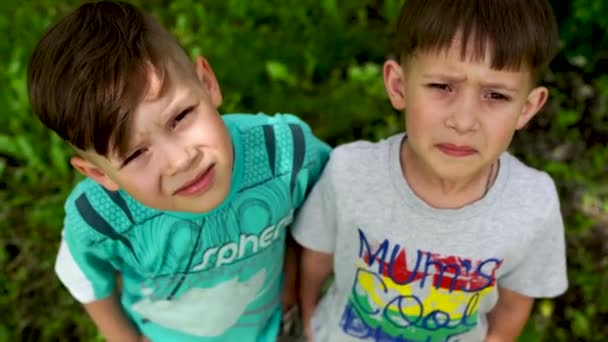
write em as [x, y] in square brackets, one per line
[321, 60]
[583, 24]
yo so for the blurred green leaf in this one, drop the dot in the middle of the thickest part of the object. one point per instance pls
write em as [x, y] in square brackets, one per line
[8, 146]
[279, 72]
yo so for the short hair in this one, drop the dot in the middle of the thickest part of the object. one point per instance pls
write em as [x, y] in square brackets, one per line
[91, 69]
[518, 32]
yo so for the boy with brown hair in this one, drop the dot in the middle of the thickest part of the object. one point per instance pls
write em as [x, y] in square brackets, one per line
[190, 207]
[438, 233]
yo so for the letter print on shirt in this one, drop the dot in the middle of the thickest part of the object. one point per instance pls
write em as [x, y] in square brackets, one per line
[432, 298]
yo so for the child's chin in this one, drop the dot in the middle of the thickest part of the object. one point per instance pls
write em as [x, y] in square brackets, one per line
[203, 203]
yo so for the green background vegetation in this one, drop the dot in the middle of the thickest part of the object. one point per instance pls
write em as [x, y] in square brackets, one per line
[320, 59]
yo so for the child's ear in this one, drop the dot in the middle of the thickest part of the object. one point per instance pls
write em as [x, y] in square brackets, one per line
[208, 81]
[394, 83]
[535, 101]
[92, 171]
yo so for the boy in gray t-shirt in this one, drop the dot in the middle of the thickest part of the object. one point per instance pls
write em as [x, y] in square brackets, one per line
[440, 234]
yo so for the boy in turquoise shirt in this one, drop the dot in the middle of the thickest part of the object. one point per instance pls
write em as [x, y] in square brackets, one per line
[188, 206]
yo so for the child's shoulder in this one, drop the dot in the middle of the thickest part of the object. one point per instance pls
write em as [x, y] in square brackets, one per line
[525, 187]
[245, 121]
[527, 178]
[93, 213]
[364, 153]
[282, 137]
[257, 131]
[358, 147]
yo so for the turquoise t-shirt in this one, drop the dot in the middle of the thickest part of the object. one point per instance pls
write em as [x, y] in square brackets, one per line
[215, 276]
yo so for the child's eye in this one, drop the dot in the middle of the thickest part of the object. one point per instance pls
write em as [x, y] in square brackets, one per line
[132, 157]
[498, 96]
[182, 115]
[440, 86]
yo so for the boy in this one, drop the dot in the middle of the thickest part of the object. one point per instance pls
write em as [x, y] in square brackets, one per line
[439, 234]
[190, 208]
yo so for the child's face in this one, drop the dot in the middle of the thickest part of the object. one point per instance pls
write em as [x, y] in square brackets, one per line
[180, 153]
[460, 114]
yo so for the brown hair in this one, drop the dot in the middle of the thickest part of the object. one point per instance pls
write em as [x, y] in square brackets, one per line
[519, 32]
[90, 71]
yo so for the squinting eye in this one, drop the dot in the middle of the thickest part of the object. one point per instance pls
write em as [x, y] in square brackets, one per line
[498, 96]
[182, 115]
[441, 86]
[132, 157]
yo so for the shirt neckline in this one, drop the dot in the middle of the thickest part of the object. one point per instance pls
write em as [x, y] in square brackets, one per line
[420, 207]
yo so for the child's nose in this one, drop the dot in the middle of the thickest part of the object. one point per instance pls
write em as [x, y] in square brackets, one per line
[179, 159]
[463, 116]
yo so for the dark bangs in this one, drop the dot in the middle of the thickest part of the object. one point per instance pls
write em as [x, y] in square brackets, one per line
[519, 32]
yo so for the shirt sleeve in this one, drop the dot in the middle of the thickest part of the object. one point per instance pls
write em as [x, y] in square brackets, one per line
[315, 225]
[84, 268]
[309, 158]
[541, 273]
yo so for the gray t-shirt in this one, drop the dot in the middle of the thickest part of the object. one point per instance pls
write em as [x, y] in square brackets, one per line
[405, 271]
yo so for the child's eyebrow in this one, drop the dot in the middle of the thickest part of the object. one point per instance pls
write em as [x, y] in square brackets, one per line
[459, 79]
[452, 78]
[181, 101]
[498, 85]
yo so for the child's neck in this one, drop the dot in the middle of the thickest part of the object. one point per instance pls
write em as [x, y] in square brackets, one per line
[444, 193]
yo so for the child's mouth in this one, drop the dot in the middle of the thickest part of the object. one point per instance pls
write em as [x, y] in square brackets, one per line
[456, 150]
[201, 183]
